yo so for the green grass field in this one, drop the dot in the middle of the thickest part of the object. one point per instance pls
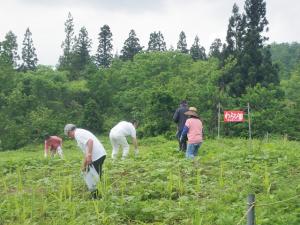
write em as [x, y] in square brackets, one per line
[158, 187]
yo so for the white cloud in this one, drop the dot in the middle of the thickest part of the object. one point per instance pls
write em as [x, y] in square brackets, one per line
[136, 6]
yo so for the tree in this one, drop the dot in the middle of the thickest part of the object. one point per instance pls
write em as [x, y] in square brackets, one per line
[181, 44]
[160, 105]
[28, 53]
[287, 56]
[252, 58]
[245, 41]
[292, 93]
[9, 50]
[255, 62]
[131, 46]
[197, 52]
[232, 49]
[215, 48]
[92, 116]
[270, 70]
[81, 51]
[104, 52]
[235, 32]
[66, 59]
[171, 49]
[156, 42]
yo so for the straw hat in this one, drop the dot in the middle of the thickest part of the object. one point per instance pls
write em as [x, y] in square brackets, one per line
[192, 112]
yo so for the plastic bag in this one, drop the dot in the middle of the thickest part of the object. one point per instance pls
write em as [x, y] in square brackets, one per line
[91, 177]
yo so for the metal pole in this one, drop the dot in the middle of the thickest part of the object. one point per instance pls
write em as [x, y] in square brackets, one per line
[219, 118]
[249, 121]
[251, 210]
[249, 125]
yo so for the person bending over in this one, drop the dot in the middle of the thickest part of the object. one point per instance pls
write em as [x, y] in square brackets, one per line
[54, 143]
[118, 136]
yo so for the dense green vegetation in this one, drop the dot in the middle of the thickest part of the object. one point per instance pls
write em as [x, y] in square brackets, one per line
[147, 83]
[148, 88]
[158, 187]
[287, 56]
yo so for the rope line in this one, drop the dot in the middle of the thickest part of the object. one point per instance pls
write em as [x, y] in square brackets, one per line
[241, 220]
[266, 204]
[274, 203]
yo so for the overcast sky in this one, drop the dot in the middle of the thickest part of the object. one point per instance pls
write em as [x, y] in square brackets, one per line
[206, 18]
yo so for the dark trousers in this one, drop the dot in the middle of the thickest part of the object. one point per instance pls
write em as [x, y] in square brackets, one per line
[182, 144]
[98, 165]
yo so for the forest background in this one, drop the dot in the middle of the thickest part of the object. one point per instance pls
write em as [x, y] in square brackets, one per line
[148, 83]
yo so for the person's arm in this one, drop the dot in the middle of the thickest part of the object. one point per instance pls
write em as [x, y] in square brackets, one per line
[135, 144]
[88, 155]
[46, 149]
[60, 141]
[134, 138]
[176, 116]
[184, 132]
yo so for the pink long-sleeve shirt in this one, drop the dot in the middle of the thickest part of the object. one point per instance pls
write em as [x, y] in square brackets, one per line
[195, 135]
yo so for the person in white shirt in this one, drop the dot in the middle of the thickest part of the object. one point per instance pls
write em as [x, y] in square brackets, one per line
[93, 150]
[118, 136]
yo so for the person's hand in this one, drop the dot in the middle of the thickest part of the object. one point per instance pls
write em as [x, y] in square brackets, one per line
[85, 166]
[88, 159]
[181, 139]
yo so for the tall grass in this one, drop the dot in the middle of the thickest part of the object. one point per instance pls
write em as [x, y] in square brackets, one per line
[158, 187]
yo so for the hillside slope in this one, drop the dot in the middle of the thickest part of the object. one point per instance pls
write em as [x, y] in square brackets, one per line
[158, 187]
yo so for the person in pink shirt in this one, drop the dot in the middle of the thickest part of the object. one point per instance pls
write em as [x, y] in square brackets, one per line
[193, 128]
[54, 143]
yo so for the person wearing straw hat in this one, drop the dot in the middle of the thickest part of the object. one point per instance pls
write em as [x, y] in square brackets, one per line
[93, 150]
[193, 128]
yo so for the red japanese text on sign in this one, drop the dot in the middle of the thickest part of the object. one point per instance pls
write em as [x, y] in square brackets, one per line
[233, 116]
